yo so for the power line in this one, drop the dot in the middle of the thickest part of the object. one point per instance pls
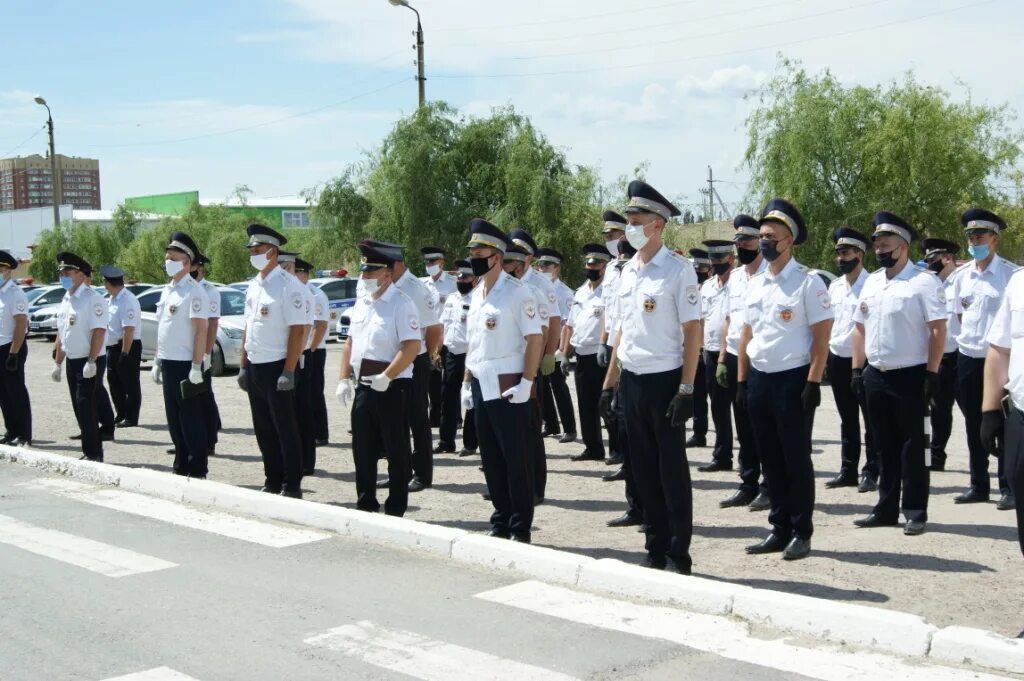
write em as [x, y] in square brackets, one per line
[26, 141]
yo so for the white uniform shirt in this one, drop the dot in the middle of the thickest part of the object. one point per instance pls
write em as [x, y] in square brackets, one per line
[453, 316]
[1007, 331]
[423, 298]
[321, 313]
[123, 311]
[654, 300]
[736, 307]
[497, 327]
[844, 303]
[79, 315]
[714, 302]
[540, 297]
[379, 327]
[213, 299]
[587, 319]
[272, 305]
[443, 287]
[953, 320]
[179, 304]
[13, 303]
[895, 314]
[976, 297]
[564, 296]
[610, 287]
[547, 292]
[781, 309]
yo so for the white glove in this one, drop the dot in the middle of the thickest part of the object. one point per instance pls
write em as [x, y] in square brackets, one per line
[560, 357]
[195, 376]
[466, 395]
[89, 370]
[207, 361]
[157, 373]
[380, 382]
[344, 392]
[55, 374]
[520, 393]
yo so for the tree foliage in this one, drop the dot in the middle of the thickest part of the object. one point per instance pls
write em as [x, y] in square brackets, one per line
[98, 244]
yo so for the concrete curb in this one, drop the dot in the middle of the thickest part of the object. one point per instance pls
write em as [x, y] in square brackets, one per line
[874, 628]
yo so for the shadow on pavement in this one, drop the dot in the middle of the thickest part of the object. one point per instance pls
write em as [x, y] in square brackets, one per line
[905, 561]
[814, 590]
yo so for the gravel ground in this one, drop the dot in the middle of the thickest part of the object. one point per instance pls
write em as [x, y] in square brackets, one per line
[967, 569]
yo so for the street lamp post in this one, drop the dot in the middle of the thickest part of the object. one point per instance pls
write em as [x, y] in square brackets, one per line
[421, 77]
[53, 164]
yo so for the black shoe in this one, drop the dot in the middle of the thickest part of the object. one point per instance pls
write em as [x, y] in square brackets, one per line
[762, 502]
[107, 437]
[499, 534]
[550, 432]
[654, 562]
[619, 474]
[971, 496]
[797, 549]
[537, 501]
[682, 568]
[88, 458]
[567, 438]
[614, 459]
[938, 465]
[444, 448]
[417, 485]
[270, 490]
[842, 480]
[8, 438]
[773, 543]
[465, 451]
[697, 441]
[714, 465]
[585, 455]
[212, 451]
[486, 496]
[171, 450]
[383, 483]
[293, 492]
[1006, 502]
[521, 537]
[76, 437]
[644, 528]
[624, 520]
[125, 424]
[740, 498]
[913, 527]
[26, 442]
[321, 442]
[868, 483]
[874, 520]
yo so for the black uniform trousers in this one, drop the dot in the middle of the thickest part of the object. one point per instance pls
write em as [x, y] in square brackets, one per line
[469, 439]
[720, 408]
[104, 412]
[896, 415]
[419, 420]
[557, 395]
[304, 412]
[634, 507]
[538, 453]
[779, 423]
[380, 423]
[970, 377]
[942, 412]
[318, 358]
[1013, 451]
[657, 453]
[211, 412]
[589, 379]
[14, 400]
[504, 451]
[840, 372]
[185, 420]
[435, 393]
[123, 380]
[700, 401]
[276, 426]
[749, 459]
[85, 397]
[616, 427]
[451, 396]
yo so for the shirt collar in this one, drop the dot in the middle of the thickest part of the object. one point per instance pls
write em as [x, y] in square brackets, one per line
[7, 285]
[78, 291]
[264, 280]
[786, 272]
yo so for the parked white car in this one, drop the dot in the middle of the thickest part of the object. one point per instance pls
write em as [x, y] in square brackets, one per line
[341, 296]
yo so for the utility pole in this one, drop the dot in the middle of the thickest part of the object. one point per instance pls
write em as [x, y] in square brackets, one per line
[53, 164]
[711, 195]
[421, 76]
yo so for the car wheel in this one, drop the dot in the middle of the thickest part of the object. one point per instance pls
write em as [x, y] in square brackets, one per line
[50, 338]
[217, 361]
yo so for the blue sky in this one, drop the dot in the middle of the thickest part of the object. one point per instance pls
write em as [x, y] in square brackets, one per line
[154, 90]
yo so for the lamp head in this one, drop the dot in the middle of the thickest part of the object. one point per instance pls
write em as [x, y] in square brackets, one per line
[40, 101]
[399, 3]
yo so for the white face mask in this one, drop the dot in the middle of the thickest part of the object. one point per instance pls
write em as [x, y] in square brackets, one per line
[370, 286]
[636, 237]
[612, 246]
[550, 275]
[433, 270]
[259, 261]
[172, 267]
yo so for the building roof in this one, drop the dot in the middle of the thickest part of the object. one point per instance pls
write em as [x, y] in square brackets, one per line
[83, 215]
[253, 202]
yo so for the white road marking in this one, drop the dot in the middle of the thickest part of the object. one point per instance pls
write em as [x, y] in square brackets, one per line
[719, 636]
[215, 522]
[425, 658]
[98, 557]
[157, 674]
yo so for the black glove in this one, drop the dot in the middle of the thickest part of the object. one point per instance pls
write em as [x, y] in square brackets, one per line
[124, 361]
[992, 423]
[680, 409]
[604, 405]
[603, 353]
[811, 396]
[243, 380]
[857, 383]
[741, 394]
[932, 387]
[12, 363]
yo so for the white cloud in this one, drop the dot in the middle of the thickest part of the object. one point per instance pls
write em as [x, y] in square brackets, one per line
[728, 82]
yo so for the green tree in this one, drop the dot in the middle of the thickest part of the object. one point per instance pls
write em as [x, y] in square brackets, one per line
[99, 245]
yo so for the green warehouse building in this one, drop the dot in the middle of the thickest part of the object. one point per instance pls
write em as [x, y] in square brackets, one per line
[292, 212]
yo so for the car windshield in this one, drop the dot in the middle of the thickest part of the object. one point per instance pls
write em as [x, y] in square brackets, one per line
[50, 297]
[232, 302]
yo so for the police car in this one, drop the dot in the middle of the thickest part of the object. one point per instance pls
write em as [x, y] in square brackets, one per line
[341, 295]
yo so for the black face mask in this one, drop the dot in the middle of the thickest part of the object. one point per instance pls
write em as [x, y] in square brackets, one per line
[886, 260]
[463, 287]
[195, 275]
[702, 276]
[937, 266]
[480, 266]
[847, 266]
[592, 275]
[720, 267]
[746, 256]
[769, 249]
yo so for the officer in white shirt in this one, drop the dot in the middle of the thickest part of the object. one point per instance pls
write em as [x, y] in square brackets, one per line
[502, 362]
[124, 348]
[850, 247]
[977, 289]
[453, 318]
[714, 303]
[940, 256]
[699, 437]
[14, 400]
[614, 237]
[783, 349]
[81, 332]
[900, 333]
[211, 412]
[441, 285]
[181, 343]
[751, 493]
[316, 357]
[303, 383]
[655, 357]
[557, 400]
[276, 332]
[376, 377]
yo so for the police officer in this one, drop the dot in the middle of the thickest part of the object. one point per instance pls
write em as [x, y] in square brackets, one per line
[699, 438]
[453, 317]
[714, 294]
[751, 492]
[556, 391]
[940, 256]
[124, 348]
[181, 343]
[303, 383]
[316, 359]
[977, 289]
[81, 332]
[384, 341]
[901, 331]
[655, 356]
[441, 284]
[502, 361]
[844, 292]
[614, 234]
[211, 412]
[783, 349]
[275, 334]
[17, 410]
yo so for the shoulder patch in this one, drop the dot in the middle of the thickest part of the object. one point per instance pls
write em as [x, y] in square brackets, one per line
[98, 310]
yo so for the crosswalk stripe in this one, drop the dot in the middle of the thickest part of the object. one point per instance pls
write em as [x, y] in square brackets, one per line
[717, 635]
[215, 522]
[92, 555]
[425, 658]
[157, 674]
